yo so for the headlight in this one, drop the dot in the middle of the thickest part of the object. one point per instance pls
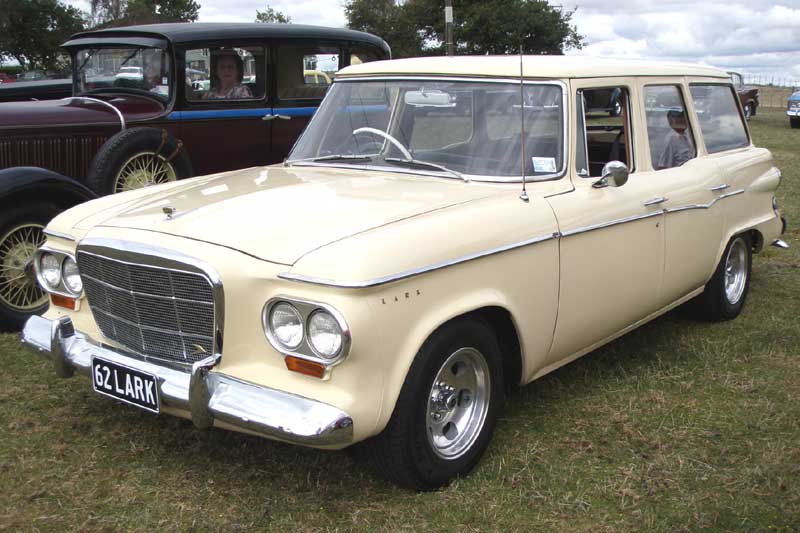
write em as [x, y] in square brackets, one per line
[286, 325]
[51, 270]
[72, 279]
[324, 334]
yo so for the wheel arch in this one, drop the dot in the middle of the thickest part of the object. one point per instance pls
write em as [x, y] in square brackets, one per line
[481, 305]
[28, 184]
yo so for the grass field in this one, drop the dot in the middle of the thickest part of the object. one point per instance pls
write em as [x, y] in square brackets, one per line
[676, 426]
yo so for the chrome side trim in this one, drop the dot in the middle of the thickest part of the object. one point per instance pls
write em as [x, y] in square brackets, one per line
[417, 271]
[704, 206]
[720, 187]
[586, 229]
[119, 114]
[732, 193]
[58, 235]
[207, 394]
[655, 201]
[134, 253]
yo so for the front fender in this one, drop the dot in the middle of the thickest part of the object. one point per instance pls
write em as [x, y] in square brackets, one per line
[31, 183]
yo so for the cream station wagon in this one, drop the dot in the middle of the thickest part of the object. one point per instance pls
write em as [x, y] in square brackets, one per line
[444, 228]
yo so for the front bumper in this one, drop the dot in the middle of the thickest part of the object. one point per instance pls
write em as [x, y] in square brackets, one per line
[793, 112]
[207, 395]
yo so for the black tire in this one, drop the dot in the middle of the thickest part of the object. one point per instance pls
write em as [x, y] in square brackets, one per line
[794, 122]
[715, 303]
[404, 452]
[19, 225]
[144, 144]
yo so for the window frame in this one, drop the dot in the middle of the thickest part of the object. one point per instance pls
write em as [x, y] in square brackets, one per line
[276, 100]
[580, 102]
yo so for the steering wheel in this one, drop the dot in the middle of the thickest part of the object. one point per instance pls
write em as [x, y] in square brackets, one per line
[381, 133]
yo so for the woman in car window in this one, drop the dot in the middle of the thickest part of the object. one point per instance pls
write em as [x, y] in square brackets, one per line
[226, 78]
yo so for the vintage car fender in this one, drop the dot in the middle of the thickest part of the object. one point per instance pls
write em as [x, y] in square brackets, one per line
[27, 183]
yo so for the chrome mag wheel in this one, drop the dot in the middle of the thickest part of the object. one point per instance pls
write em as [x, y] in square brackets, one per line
[458, 403]
[142, 170]
[736, 269]
[18, 287]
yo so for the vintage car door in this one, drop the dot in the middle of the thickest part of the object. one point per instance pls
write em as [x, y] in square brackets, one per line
[690, 184]
[612, 238]
[219, 125]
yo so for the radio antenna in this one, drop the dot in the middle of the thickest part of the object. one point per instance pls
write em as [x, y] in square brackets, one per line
[524, 195]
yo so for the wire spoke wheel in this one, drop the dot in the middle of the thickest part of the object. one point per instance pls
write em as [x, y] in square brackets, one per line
[458, 403]
[142, 170]
[18, 287]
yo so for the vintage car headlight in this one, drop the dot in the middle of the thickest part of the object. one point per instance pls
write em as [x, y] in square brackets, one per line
[50, 270]
[285, 325]
[72, 279]
[325, 334]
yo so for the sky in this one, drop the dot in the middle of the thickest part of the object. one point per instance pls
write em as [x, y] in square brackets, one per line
[757, 37]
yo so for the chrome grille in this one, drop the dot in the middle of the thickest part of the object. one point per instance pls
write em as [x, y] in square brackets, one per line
[152, 311]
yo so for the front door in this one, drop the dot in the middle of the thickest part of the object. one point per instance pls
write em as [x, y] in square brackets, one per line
[223, 107]
[612, 239]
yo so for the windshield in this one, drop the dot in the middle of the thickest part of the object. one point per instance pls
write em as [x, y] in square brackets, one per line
[145, 69]
[467, 127]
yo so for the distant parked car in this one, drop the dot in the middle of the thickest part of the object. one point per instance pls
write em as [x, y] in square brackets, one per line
[793, 109]
[748, 95]
[135, 120]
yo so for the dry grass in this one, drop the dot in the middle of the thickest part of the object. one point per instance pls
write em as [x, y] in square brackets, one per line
[676, 426]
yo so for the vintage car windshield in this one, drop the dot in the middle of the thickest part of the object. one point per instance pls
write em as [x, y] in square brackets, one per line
[471, 128]
[145, 69]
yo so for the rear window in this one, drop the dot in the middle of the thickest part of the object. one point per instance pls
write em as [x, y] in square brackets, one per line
[720, 121]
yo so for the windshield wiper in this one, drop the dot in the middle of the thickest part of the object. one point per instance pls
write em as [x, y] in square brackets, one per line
[428, 164]
[332, 157]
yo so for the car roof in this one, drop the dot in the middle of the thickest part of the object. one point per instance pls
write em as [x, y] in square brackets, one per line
[211, 31]
[539, 66]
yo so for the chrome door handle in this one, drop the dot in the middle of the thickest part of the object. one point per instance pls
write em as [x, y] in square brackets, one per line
[273, 117]
[720, 187]
[655, 201]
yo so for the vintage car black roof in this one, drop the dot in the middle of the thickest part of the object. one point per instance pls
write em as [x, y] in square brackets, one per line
[212, 31]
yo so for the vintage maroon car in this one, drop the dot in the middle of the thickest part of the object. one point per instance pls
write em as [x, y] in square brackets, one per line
[747, 94]
[154, 104]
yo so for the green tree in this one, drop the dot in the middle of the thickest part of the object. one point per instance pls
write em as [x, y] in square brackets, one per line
[416, 27]
[388, 19]
[272, 16]
[32, 30]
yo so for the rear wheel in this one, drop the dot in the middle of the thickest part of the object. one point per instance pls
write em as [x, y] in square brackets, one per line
[21, 233]
[447, 409]
[726, 292]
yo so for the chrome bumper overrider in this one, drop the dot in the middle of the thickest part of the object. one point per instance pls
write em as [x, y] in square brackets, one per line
[207, 395]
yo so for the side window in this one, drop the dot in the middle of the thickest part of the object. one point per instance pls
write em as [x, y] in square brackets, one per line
[718, 113]
[225, 73]
[363, 55]
[668, 130]
[606, 130]
[305, 72]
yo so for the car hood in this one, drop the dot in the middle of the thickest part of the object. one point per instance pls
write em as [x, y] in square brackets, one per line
[50, 113]
[279, 214]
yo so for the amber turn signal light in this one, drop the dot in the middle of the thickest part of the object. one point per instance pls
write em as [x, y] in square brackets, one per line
[303, 366]
[63, 301]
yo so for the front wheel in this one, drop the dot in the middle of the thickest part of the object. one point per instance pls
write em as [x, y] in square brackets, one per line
[726, 292]
[21, 233]
[447, 409]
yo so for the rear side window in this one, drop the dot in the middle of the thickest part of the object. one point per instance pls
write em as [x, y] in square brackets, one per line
[225, 73]
[718, 114]
[668, 128]
[306, 72]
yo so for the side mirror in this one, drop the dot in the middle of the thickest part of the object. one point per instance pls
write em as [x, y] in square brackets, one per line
[615, 174]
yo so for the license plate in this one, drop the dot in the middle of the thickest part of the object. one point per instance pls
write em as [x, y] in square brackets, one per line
[125, 384]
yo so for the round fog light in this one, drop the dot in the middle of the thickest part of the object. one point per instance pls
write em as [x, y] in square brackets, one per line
[51, 270]
[72, 279]
[286, 325]
[325, 334]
